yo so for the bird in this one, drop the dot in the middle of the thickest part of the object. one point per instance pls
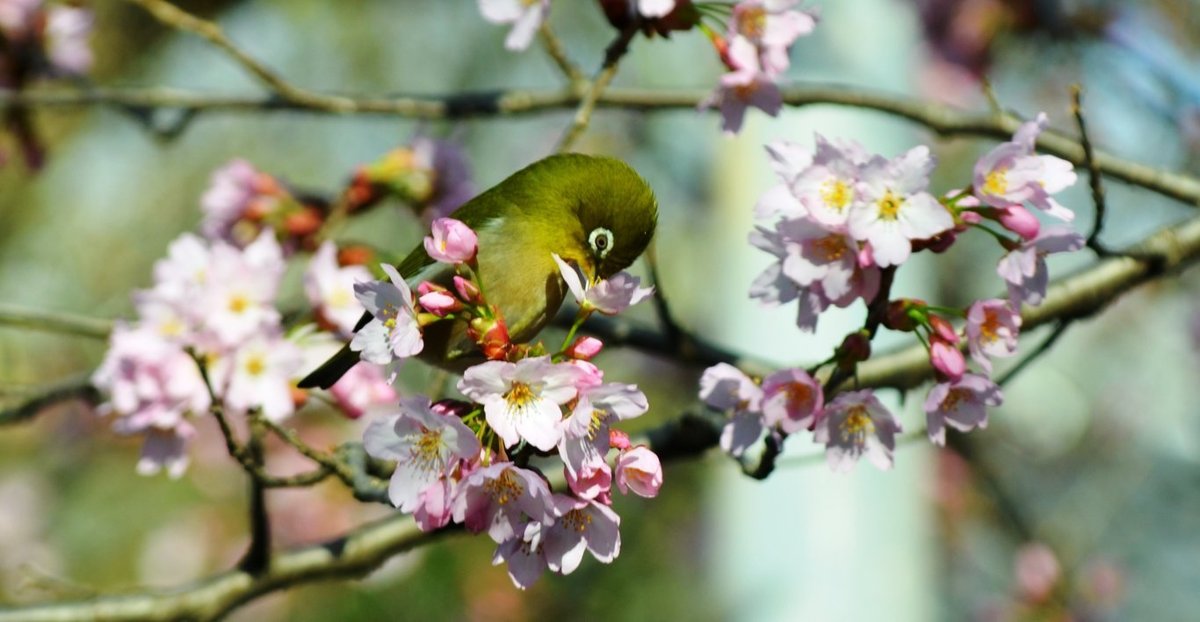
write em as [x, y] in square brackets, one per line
[595, 212]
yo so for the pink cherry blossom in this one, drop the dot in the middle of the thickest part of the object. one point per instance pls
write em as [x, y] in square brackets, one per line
[961, 404]
[363, 387]
[258, 375]
[525, 555]
[585, 434]
[330, 289]
[580, 525]
[585, 348]
[893, 208]
[17, 17]
[857, 424]
[819, 257]
[452, 242]
[746, 85]
[1037, 572]
[523, 400]
[236, 190]
[1024, 268]
[434, 505]
[393, 331]
[525, 16]
[792, 400]
[67, 31]
[992, 330]
[772, 26]
[655, 8]
[610, 296]
[237, 298]
[726, 388]
[946, 358]
[426, 446]
[501, 499]
[788, 160]
[639, 470]
[1012, 174]
[827, 189]
[153, 388]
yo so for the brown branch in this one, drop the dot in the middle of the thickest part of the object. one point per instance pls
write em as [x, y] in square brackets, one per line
[583, 114]
[942, 120]
[54, 322]
[79, 388]
[1095, 180]
[355, 555]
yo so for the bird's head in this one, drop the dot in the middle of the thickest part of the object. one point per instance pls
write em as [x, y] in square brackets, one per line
[605, 212]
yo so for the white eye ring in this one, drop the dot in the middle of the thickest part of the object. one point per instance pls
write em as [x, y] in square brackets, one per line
[601, 241]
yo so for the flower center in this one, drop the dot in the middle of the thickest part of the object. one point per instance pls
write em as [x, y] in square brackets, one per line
[836, 194]
[799, 397]
[889, 206]
[255, 365]
[426, 451]
[519, 396]
[752, 23]
[239, 303]
[504, 489]
[830, 248]
[996, 182]
[955, 397]
[576, 520]
[857, 425]
[989, 330]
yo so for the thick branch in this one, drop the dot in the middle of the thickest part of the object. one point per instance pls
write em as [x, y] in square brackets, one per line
[54, 322]
[943, 120]
[356, 555]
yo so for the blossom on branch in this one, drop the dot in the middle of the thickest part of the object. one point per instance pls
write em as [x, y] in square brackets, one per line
[330, 290]
[522, 400]
[894, 209]
[961, 404]
[857, 424]
[1012, 174]
[393, 332]
[1024, 268]
[610, 296]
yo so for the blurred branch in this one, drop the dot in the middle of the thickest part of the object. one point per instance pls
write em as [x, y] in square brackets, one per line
[78, 388]
[583, 114]
[1095, 180]
[943, 120]
[558, 53]
[355, 555]
[54, 322]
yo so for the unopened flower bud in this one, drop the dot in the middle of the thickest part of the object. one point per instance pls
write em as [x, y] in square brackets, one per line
[467, 290]
[1020, 221]
[855, 348]
[898, 316]
[943, 329]
[303, 222]
[585, 348]
[439, 302]
[618, 439]
[947, 359]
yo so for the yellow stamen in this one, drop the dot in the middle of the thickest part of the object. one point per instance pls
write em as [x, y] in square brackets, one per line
[830, 248]
[889, 206]
[519, 396]
[955, 397]
[857, 425]
[996, 182]
[256, 365]
[837, 194]
[238, 303]
[505, 488]
[577, 520]
[752, 23]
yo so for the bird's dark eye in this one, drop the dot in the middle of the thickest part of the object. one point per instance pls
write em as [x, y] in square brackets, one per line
[601, 241]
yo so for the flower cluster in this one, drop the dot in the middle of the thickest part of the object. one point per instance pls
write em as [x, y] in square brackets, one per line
[431, 175]
[844, 218]
[470, 462]
[755, 48]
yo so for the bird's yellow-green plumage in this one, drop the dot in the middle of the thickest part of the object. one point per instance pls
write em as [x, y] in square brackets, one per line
[593, 211]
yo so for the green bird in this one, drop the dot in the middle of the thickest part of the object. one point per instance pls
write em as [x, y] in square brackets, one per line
[594, 212]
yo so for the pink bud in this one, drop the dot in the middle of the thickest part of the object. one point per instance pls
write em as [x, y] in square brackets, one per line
[467, 290]
[1020, 221]
[639, 470]
[585, 348]
[1037, 571]
[439, 303]
[943, 329]
[452, 242]
[946, 359]
[970, 218]
[426, 286]
[618, 439]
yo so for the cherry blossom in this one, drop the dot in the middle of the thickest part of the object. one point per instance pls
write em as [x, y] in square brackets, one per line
[1012, 174]
[894, 209]
[393, 331]
[746, 85]
[992, 330]
[827, 188]
[857, 424]
[772, 26]
[580, 525]
[501, 499]
[426, 446]
[452, 242]
[610, 296]
[524, 554]
[1024, 268]
[792, 400]
[961, 404]
[522, 400]
[258, 375]
[639, 470]
[330, 289]
[525, 16]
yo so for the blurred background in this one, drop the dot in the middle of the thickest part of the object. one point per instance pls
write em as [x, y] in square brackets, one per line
[1077, 503]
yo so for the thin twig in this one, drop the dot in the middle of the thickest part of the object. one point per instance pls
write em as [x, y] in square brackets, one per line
[1042, 348]
[258, 554]
[558, 53]
[942, 120]
[583, 114]
[78, 388]
[54, 321]
[1095, 179]
[670, 329]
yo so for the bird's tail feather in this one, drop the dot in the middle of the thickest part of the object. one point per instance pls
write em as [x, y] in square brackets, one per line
[330, 371]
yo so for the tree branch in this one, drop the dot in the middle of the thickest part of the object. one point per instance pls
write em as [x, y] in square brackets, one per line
[943, 120]
[54, 322]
